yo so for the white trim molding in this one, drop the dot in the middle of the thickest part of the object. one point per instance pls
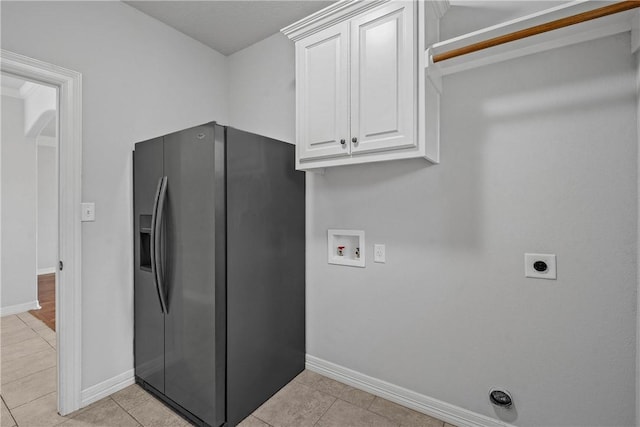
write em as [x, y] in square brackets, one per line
[68, 291]
[419, 402]
[429, 88]
[28, 89]
[49, 270]
[47, 141]
[10, 91]
[107, 387]
[330, 15]
[20, 308]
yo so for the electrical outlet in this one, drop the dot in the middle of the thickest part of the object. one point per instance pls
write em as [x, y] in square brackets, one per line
[379, 253]
[88, 212]
[540, 266]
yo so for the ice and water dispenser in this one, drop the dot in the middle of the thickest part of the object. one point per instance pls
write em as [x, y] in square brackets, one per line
[145, 242]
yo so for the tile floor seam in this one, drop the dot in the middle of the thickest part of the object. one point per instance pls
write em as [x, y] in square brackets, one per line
[20, 342]
[133, 407]
[14, 328]
[335, 399]
[26, 403]
[36, 398]
[371, 403]
[25, 339]
[19, 318]
[15, 423]
[30, 354]
[255, 416]
[116, 402]
[371, 412]
[312, 386]
[128, 413]
[32, 373]
[65, 417]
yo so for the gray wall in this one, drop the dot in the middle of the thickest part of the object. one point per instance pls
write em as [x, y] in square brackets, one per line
[539, 154]
[47, 209]
[262, 88]
[637, 57]
[140, 79]
[19, 200]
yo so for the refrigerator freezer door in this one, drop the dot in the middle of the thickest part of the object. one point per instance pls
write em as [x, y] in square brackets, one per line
[148, 317]
[194, 337]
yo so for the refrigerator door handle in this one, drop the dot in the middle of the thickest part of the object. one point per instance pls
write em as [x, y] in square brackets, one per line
[156, 227]
[157, 245]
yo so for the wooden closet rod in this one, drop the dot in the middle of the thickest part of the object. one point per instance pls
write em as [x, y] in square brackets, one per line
[539, 29]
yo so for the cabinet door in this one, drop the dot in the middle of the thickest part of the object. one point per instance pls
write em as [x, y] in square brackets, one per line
[382, 78]
[323, 93]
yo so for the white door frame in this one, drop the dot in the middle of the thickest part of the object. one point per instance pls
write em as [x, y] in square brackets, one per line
[68, 301]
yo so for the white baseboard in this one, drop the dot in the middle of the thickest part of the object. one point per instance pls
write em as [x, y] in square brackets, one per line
[49, 270]
[106, 388]
[20, 308]
[427, 405]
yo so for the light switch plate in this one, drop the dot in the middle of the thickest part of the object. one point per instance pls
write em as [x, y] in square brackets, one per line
[540, 266]
[88, 212]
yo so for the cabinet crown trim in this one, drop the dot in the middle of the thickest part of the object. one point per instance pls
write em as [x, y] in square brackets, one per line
[341, 11]
[330, 15]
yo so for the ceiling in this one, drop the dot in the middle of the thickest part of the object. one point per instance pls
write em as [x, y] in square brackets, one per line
[228, 26]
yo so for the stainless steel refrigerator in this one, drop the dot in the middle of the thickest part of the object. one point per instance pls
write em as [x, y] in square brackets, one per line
[219, 282]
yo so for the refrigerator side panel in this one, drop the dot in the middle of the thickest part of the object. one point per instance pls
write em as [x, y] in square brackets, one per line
[148, 317]
[220, 195]
[265, 270]
[191, 377]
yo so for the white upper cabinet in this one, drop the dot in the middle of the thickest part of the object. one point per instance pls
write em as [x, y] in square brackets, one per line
[383, 79]
[322, 91]
[358, 83]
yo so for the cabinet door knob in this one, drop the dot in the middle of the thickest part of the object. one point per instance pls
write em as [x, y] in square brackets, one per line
[342, 141]
[354, 140]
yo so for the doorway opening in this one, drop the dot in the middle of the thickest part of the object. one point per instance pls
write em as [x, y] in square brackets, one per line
[29, 197]
[58, 129]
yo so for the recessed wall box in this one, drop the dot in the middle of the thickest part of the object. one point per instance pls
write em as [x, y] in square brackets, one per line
[540, 266]
[345, 247]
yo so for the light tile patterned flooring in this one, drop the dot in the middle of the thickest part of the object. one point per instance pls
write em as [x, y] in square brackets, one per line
[315, 400]
[28, 391]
